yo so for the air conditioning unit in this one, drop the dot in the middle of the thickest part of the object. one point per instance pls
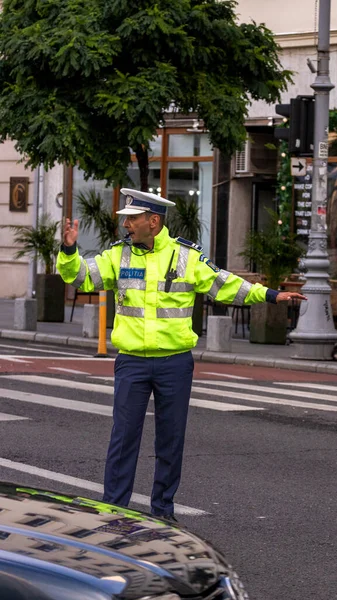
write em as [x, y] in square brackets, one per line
[242, 159]
[256, 157]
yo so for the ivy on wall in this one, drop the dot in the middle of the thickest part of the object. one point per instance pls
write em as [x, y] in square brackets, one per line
[333, 129]
[285, 180]
[284, 189]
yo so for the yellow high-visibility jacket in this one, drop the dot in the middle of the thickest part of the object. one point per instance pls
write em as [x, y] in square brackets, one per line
[150, 321]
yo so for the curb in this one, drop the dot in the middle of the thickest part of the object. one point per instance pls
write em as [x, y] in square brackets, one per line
[198, 355]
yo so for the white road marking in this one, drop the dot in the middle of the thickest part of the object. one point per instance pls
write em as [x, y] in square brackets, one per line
[16, 360]
[224, 375]
[310, 386]
[31, 349]
[6, 417]
[88, 485]
[102, 378]
[56, 402]
[65, 383]
[222, 406]
[269, 400]
[45, 346]
[261, 388]
[105, 389]
[200, 402]
[73, 371]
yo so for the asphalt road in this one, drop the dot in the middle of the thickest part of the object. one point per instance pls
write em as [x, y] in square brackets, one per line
[260, 466]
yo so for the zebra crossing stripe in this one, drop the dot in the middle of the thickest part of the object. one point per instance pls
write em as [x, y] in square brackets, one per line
[64, 383]
[278, 401]
[311, 386]
[205, 390]
[57, 402]
[107, 389]
[84, 484]
[261, 388]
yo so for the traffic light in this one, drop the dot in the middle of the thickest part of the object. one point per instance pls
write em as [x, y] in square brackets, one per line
[300, 133]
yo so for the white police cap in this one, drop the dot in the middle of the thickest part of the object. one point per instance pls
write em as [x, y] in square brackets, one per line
[139, 202]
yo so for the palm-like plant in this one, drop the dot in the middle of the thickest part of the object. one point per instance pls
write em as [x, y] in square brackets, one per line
[39, 241]
[93, 213]
[275, 255]
[184, 220]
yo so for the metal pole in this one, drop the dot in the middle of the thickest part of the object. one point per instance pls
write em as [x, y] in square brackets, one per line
[315, 334]
[31, 292]
[102, 349]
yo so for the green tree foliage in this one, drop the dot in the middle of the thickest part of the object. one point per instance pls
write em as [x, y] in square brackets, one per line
[39, 241]
[83, 82]
[274, 255]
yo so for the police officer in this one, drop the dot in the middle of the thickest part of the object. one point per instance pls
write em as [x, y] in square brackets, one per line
[155, 278]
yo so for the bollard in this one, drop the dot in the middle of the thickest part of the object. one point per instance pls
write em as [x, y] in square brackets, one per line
[90, 321]
[219, 334]
[102, 349]
[25, 314]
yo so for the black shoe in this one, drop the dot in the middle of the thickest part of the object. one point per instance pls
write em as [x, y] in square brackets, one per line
[169, 517]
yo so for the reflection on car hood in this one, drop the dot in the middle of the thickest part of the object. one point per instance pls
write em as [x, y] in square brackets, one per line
[127, 552]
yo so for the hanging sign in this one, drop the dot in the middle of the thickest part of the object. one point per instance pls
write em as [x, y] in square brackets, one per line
[298, 166]
[18, 194]
[302, 203]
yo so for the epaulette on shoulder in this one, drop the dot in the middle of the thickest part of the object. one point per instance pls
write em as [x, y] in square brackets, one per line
[184, 242]
[117, 243]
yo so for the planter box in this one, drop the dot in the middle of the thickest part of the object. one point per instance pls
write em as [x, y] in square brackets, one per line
[268, 323]
[291, 286]
[50, 293]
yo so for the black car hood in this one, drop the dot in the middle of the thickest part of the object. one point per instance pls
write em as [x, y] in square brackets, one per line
[130, 553]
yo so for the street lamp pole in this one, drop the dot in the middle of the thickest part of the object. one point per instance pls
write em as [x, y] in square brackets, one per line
[315, 335]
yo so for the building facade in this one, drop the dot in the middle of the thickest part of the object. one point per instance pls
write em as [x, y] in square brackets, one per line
[252, 187]
[232, 195]
[24, 196]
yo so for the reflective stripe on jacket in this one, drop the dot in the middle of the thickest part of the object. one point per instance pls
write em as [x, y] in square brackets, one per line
[150, 321]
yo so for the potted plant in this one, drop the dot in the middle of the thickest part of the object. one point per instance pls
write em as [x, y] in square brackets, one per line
[41, 242]
[275, 256]
[184, 221]
[93, 213]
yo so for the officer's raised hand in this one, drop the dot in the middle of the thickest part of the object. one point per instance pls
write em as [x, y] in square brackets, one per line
[70, 232]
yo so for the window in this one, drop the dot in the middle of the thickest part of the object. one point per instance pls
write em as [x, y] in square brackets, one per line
[193, 180]
[38, 521]
[81, 533]
[186, 144]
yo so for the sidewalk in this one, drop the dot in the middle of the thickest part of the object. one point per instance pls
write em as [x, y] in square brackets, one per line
[243, 352]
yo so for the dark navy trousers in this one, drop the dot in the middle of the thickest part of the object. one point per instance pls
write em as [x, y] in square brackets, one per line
[170, 380]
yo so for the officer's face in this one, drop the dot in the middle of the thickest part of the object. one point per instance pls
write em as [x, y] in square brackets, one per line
[141, 228]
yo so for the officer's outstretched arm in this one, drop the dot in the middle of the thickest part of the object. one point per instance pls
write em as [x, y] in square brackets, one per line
[226, 287]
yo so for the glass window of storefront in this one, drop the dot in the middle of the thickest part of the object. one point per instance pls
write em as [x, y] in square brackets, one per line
[183, 144]
[180, 165]
[156, 147]
[88, 239]
[154, 178]
[193, 181]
